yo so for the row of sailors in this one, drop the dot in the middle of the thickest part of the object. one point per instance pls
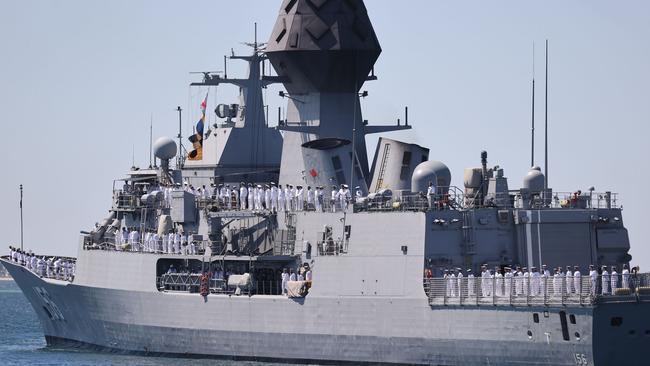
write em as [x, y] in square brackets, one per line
[534, 283]
[54, 267]
[175, 242]
[271, 197]
[304, 274]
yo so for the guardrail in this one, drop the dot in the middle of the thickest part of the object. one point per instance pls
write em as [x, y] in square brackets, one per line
[541, 291]
[191, 283]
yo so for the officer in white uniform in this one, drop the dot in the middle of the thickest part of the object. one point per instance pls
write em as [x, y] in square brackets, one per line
[300, 199]
[625, 277]
[251, 197]
[526, 281]
[459, 280]
[177, 243]
[334, 198]
[614, 276]
[431, 194]
[243, 194]
[569, 280]
[605, 280]
[319, 199]
[535, 282]
[498, 282]
[285, 279]
[282, 205]
[577, 279]
[267, 197]
[508, 282]
[155, 239]
[593, 277]
[310, 199]
[274, 197]
[471, 283]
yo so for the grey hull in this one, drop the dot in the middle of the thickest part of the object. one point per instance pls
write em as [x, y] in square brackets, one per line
[327, 330]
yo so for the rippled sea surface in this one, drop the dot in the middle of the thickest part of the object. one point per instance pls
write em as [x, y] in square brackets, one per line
[22, 341]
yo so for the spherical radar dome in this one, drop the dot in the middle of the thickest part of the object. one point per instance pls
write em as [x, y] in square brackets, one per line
[164, 148]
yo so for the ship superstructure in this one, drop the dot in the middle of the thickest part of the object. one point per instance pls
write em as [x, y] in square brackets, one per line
[327, 260]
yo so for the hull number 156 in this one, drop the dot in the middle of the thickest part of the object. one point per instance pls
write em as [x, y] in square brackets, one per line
[580, 358]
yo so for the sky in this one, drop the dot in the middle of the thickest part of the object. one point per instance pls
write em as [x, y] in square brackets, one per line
[81, 80]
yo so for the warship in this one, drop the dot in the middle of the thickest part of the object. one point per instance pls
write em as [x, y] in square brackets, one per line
[287, 244]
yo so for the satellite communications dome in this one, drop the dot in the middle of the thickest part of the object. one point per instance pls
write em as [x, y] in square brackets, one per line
[164, 148]
[534, 180]
[430, 171]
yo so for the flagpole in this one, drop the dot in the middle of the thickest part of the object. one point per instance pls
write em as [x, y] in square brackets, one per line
[21, 217]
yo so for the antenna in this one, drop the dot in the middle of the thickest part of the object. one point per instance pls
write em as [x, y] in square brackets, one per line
[151, 141]
[179, 162]
[133, 155]
[225, 67]
[255, 37]
[546, 123]
[532, 130]
[21, 217]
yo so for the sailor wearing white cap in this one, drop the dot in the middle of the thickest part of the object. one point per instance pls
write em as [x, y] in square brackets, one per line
[319, 199]
[508, 282]
[259, 197]
[605, 281]
[170, 242]
[577, 279]
[177, 243]
[288, 196]
[498, 282]
[155, 240]
[274, 197]
[471, 283]
[243, 194]
[593, 277]
[344, 196]
[459, 280]
[300, 199]
[535, 281]
[251, 197]
[281, 199]
[568, 275]
[267, 197]
[625, 277]
[334, 198]
[234, 197]
[614, 276]
[310, 198]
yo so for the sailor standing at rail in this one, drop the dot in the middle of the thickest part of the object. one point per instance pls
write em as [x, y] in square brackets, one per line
[498, 282]
[134, 240]
[569, 280]
[625, 277]
[155, 239]
[593, 276]
[471, 283]
[605, 281]
[485, 279]
[274, 197]
[526, 282]
[577, 277]
[281, 199]
[459, 281]
[285, 279]
[358, 194]
[243, 194]
[535, 282]
[431, 194]
[310, 199]
[319, 199]
[333, 198]
[445, 280]
[170, 242]
[177, 243]
[300, 198]
[267, 197]
[251, 197]
[508, 282]
[614, 276]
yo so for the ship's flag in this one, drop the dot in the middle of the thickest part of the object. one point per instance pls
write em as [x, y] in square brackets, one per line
[197, 138]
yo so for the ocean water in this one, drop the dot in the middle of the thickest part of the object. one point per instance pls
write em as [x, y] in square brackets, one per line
[22, 341]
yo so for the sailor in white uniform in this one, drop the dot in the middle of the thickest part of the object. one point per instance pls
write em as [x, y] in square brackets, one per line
[625, 277]
[614, 276]
[267, 197]
[177, 243]
[134, 240]
[281, 200]
[243, 196]
[459, 280]
[593, 277]
[310, 199]
[274, 197]
[334, 198]
[508, 282]
[577, 279]
[498, 282]
[251, 197]
[431, 194]
[285, 279]
[292, 276]
[319, 199]
[568, 275]
[300, 199]
[605, 281]
[471, 283]
[155, 239]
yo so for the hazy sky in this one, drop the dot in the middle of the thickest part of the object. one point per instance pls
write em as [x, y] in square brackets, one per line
[79, 81]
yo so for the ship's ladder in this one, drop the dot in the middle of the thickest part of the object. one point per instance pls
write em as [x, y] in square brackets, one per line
[469, 243]
[382, 169]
